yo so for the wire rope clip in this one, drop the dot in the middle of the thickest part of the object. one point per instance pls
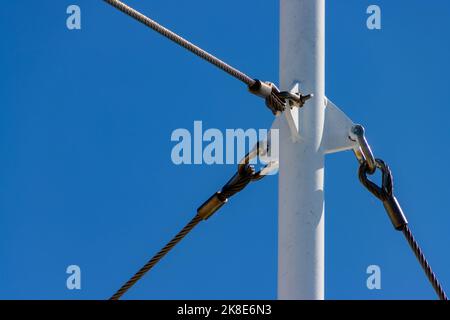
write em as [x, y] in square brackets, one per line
[294, 99]
[277, 101]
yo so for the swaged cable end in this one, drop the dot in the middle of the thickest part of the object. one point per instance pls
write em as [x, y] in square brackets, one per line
[395, 213]
[211, 206]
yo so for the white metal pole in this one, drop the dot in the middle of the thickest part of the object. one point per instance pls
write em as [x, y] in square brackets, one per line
[301, 173]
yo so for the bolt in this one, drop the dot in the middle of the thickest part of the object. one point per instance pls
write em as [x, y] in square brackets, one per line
[358, 130]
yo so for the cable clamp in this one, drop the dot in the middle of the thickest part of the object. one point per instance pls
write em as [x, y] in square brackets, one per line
[276, 100]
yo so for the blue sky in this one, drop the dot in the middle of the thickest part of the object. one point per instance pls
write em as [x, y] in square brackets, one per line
[85, 171]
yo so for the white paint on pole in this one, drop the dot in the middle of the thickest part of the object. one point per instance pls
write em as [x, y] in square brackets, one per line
[301, 199]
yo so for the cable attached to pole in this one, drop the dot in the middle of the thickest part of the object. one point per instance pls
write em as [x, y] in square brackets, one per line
[276, 101]
[246, 173]
[424, 263]
[181, 41]
[385, 193]
[156, 258]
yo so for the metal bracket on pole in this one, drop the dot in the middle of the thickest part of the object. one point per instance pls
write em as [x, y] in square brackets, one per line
[337, 135]
[291, 115]
[337, 130]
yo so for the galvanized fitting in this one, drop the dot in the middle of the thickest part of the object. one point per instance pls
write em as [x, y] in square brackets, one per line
[364, 152]
[261, 89]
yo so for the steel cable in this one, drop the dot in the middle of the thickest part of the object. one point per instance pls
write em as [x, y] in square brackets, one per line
[246, 173]
[153, 261]
[181, 41]
[424, 263]
[273, 97]
[385, 193]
